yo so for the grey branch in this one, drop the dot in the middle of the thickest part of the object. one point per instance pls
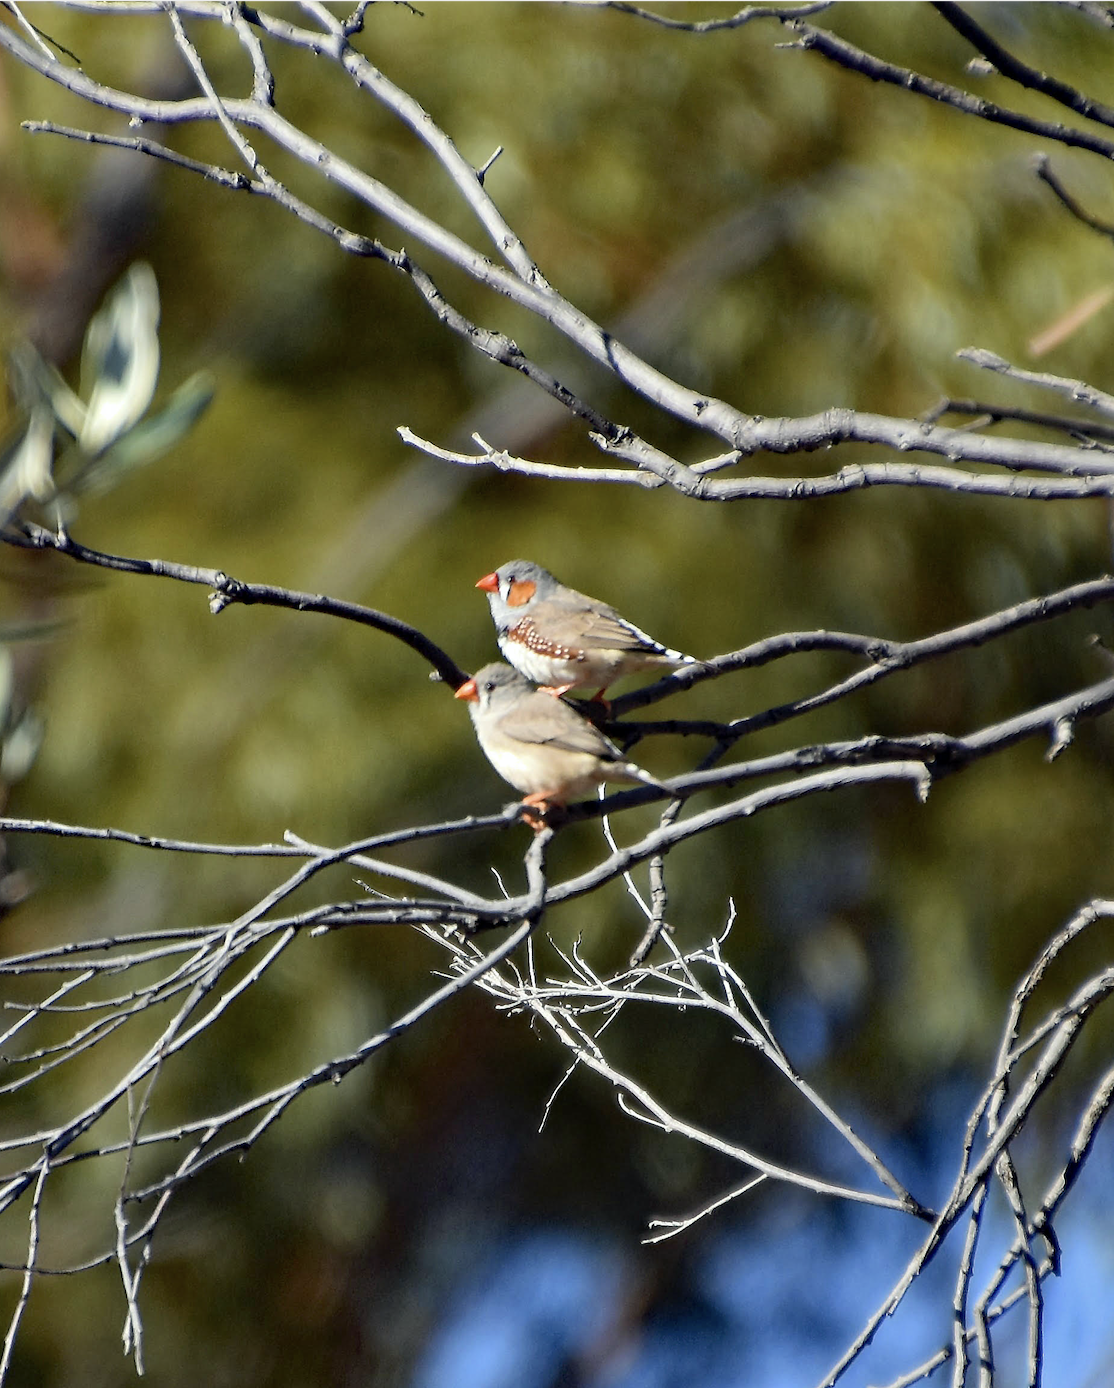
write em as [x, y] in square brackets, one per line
[839, 51]
[1079, 473]
[227, 590]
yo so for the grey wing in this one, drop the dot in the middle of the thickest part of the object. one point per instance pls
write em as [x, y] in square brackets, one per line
[543, 719]
[601, 628]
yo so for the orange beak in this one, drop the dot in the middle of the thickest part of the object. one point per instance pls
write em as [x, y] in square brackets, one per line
[489, 583]
[467, 691]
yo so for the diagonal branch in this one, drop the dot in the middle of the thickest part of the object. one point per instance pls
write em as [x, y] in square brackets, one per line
[227, 590]
[1083, 473]
[746, 434]
[839, 51]
[886, 657]
[1043, 166]
[1020, 72]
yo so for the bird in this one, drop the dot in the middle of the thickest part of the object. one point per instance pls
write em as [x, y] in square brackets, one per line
[562, 639]
[541, 745]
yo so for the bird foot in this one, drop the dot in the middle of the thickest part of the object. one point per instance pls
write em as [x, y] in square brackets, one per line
[540, 801]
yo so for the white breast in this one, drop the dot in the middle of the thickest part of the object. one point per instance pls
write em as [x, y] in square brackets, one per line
[531, 766]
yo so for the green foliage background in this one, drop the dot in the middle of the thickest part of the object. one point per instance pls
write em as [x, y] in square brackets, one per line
[909, 232]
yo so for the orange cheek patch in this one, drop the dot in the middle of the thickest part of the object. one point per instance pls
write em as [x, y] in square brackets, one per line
[520, 592]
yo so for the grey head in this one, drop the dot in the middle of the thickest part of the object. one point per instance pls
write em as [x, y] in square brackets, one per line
[517, 585]
[499, 687]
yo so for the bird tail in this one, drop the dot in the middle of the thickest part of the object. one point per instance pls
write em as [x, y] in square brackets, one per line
[666, 654]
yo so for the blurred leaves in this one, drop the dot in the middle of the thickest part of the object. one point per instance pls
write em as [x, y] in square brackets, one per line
[120, 360]
[146, 440]
[28, 464]
[109, 433]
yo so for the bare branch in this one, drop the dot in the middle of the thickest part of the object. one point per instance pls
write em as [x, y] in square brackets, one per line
[1020, 72]
[1079, 391]
[642, 1105]
[743, 433]
[1095, 474]
[1068, 424]
[712, 26]
[28, 1270]
[839, 51]
[1043, 168]
[886, 658]
[468, 181]
[227, 590]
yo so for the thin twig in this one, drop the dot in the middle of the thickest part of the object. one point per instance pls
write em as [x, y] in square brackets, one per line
[1017, 71]
[28, 1271]
[839, 51]
[227, 591]
[1079, 391]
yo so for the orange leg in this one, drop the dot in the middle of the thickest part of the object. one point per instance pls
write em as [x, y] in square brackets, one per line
[542, 800]
[555, 689]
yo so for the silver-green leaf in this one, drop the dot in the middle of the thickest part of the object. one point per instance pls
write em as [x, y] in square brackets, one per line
[121, 359]
[150, 438]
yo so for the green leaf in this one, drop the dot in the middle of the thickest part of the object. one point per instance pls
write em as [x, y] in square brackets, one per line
[7, 685]
[121, 359]
[29, 469]
[20, 748]
[149, 439]
[40, 382]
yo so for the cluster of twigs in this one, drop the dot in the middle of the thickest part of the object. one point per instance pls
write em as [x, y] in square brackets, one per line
[165, 989]
[193, 975]
[578, 1006]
